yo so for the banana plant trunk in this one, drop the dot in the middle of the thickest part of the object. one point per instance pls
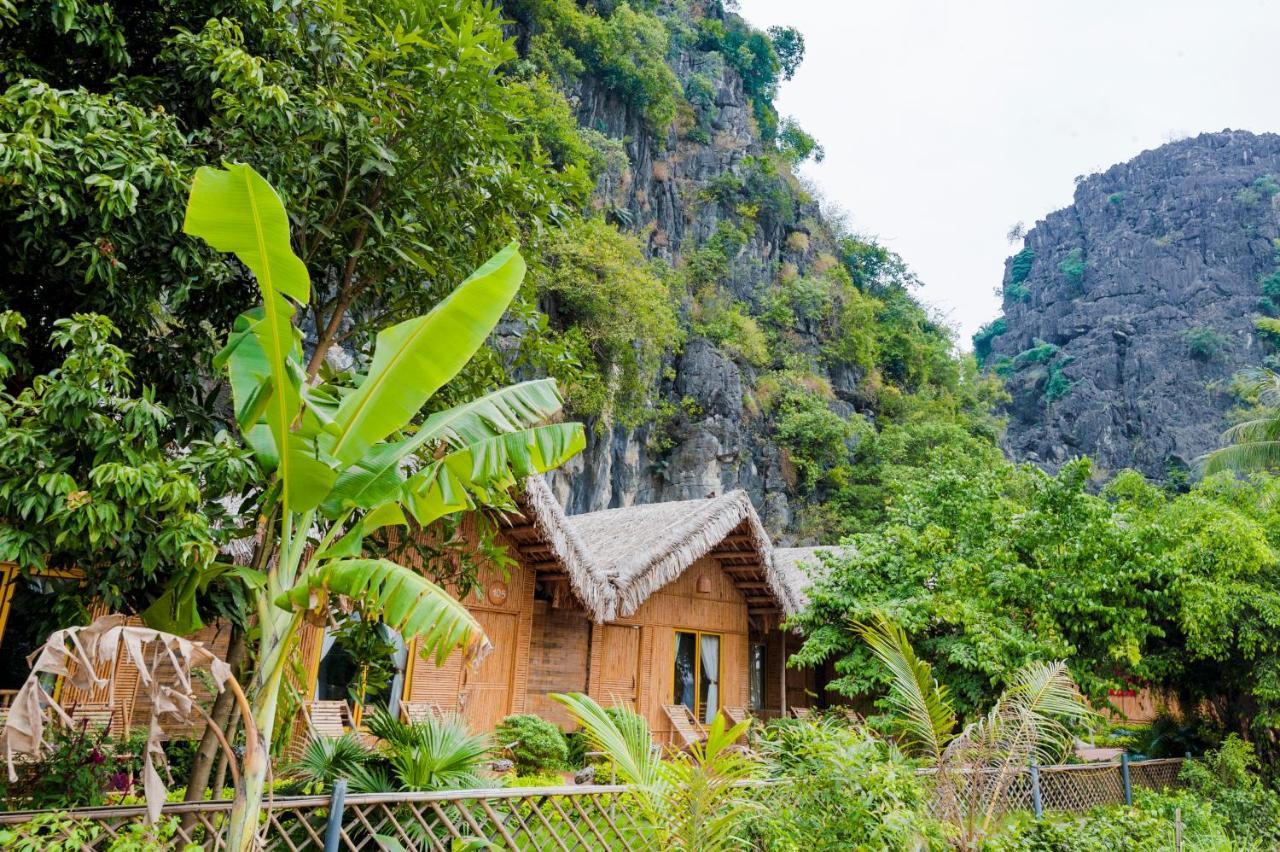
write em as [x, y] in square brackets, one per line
[277, 627]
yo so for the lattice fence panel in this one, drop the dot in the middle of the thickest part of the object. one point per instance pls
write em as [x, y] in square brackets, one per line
[570, 819]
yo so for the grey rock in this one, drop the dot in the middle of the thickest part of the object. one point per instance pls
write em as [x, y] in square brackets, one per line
[1174, 241]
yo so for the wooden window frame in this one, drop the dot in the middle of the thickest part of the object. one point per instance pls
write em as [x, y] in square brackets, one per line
[357, 712]
[697, 667]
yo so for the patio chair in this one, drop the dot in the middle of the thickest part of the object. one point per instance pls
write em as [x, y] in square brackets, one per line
[801, 713]
[686, 730]
[736, 716]
[327, 719]
[420, 711]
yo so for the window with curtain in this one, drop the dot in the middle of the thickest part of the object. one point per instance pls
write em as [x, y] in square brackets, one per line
[755, 677]
[697, 673]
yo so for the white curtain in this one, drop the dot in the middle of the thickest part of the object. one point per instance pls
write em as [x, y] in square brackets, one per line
[711, 671]
[401, 658]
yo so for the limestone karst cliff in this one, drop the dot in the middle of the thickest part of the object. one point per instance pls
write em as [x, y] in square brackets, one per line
[1127, 313]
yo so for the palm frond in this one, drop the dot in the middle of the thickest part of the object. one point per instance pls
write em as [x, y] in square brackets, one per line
[924, 711]
[438, 754]
[623, 737]
[328, 758]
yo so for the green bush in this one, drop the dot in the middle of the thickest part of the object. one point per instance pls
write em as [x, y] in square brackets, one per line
[1228, 778]
[1205, 343]
[536, 746]
[1148, 826]
[985, 336]
[1072, 266]
[1020, 266]
[847, 790]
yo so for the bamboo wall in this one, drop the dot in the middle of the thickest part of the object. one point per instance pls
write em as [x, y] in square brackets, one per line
[632, 659]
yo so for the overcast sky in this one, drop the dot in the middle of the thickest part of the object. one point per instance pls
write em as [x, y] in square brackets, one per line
[945, 122]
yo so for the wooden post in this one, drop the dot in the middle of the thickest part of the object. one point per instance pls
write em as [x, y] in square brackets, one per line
[1124, 779]
[1037, 804]
[1177, 829]
[333, 830]
[782, 696]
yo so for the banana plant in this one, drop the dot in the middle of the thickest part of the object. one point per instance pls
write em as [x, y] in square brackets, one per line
[347, 455]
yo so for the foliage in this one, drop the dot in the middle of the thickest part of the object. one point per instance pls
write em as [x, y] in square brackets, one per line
[1034, 718]
[624, 48]
[616, 309]
[1072, 266]
[91, 479]
[796, 145]
[383, 220]
[727, 324]
[424, 755]
[52, 831]
[845, 790]
[754, 55]
[689, 800]
[536, 746]
[82, 766]
[985, 336]
[1147, 826]
[1227, 778]
[1020, 266]
[1205, 343]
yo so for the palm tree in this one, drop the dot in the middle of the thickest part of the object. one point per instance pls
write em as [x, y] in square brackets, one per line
[347, 455]
[1253, 444]
[690, 800]
[1033, 719]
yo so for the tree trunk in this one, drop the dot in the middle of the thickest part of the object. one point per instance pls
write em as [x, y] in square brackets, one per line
[220, 766]
[209, 749]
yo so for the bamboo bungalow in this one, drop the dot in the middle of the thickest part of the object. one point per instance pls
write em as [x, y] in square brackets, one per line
[653, 605]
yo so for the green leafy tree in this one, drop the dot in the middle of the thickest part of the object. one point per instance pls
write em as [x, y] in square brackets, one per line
[92, 479]
[342, 457]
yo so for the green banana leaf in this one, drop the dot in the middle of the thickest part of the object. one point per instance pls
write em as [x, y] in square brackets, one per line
[413, 359]
[235, 210]
[405, 600]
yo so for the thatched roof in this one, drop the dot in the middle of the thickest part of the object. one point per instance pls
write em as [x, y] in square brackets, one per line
[800, 566]
[643, 548]
[589, 582]
[616, 558]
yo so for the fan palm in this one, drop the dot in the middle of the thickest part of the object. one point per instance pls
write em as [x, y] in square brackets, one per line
[1253, 444]
[1032, 719]
[343, 457]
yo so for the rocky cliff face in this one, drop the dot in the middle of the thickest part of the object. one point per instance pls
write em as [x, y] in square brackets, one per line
[713, 445]
[1126, 314]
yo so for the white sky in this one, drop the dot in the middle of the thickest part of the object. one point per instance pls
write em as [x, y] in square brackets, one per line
[946, 122]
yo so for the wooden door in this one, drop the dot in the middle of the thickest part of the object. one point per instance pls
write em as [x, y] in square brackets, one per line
[620, 662]
[487, 690]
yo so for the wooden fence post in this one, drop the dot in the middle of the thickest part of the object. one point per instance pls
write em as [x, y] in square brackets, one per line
[333, 829]
[1037, 803]
[1124, 778]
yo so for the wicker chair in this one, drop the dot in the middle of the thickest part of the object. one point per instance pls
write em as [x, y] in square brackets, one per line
[686, 730]
[420, 711]
[327, 719]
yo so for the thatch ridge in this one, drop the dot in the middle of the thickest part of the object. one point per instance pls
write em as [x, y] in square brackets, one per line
[589, 583]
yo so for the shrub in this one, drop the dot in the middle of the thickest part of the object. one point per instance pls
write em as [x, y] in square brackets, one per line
[1205, 343]
[730, 328]
[536, 746]
[1148, 826]
[1228, 779]
[1072, 266]
[1056, 385]
[82, 767]
[1020, 266]
[848, 790]
[985, 336]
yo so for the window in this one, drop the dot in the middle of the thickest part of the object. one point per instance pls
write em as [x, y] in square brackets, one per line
[755, 677]
[363, 665]
[697, 673]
